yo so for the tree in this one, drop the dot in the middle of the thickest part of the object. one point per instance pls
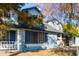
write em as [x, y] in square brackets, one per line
[71, 10]
[49, 9]
[73, 31]
[4, 9]
[30, 21]
[69, 28]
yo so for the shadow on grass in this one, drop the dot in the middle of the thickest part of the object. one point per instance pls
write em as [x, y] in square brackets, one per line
[16, 53]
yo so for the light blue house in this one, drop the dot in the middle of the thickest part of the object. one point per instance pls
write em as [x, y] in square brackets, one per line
[21, 38]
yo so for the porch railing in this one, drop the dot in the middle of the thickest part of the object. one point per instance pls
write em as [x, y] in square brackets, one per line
[7, 45]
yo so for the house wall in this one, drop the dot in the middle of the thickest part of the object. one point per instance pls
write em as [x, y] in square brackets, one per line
[77, 41]
[20, 40]
[74, 41]
[20, 45]
[77, 44]
[51, 42]
[40, 39]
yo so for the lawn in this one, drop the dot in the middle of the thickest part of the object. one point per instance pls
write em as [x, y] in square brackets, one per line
[48, 52]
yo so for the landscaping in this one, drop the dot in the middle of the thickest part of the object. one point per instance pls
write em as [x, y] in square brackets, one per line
[49, 52]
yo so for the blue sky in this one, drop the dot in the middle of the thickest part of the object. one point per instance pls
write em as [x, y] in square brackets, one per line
[28, 5]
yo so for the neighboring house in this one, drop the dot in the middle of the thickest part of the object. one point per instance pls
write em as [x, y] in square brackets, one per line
[21, 38]
[75, 40]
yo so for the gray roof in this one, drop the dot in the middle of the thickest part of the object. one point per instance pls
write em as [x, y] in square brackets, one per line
[49, 28]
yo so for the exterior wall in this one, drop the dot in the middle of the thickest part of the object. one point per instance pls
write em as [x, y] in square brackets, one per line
[77, 41]
[77, 44]
[52, 41]
[21, 46]
[74, 41]
[35, 46]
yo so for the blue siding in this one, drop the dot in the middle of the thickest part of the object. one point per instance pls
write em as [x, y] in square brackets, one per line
[52, 41]
[34, 47]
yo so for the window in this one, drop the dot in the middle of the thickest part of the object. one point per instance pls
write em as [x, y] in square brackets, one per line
[10, 36]
[34, 37]
[13, 17]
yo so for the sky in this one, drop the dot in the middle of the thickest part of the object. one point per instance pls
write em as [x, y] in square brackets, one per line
[28, 5]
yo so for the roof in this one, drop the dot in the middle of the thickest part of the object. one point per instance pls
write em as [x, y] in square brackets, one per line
[46, 28]
[53, 19]
[31, 8]
[32, 30]
[49, 28]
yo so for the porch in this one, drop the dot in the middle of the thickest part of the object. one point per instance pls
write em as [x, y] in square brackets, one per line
[8, 40]
[36, 39]
[27, 39]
